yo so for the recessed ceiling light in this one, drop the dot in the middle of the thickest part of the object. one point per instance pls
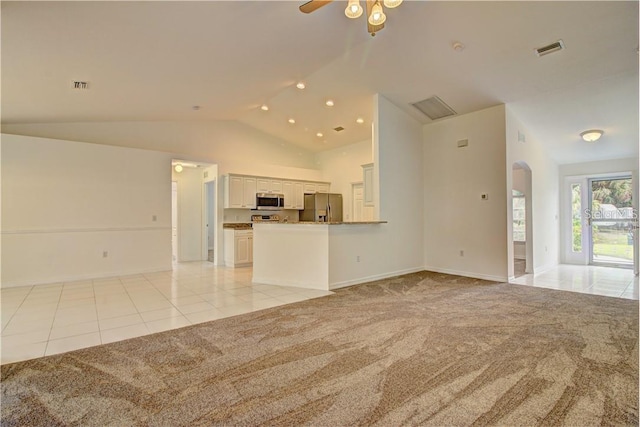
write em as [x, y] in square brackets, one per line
[359, 120]
[319, 135]
[329, 103]
[292, 121]
[264, 107]
[178, 168]
[300, 85]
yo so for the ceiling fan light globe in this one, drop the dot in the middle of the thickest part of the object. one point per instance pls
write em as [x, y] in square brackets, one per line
[591, 135]
[377, 16]
[392, 3]
[353, 10]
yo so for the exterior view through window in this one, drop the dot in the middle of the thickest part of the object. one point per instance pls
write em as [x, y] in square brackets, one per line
[611, 219]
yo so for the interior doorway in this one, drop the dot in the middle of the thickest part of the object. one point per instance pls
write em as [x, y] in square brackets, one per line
[522, 217]
[210, 221]
[610, 221]
[174, 221]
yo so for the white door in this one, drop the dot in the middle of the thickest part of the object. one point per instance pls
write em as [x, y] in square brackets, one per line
[209, 214]
[358, 201]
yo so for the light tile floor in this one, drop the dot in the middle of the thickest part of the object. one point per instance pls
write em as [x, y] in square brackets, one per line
[56, 318]
[586, 279]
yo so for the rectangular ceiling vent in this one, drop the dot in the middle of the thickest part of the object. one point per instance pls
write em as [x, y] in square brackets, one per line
[76, 84]
[338, 129]
[434, 108]
[550, 48]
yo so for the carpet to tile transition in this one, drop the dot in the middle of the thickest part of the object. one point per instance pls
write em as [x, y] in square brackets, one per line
[421, 349]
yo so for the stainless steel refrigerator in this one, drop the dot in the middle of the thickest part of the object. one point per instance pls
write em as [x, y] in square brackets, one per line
[322, 207]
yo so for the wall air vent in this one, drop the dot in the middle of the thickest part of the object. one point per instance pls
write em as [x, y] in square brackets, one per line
[550, 48]
[434, 108]
[76, 84]
[338, 129]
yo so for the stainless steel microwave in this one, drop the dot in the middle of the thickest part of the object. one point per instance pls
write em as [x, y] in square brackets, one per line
[269, 201]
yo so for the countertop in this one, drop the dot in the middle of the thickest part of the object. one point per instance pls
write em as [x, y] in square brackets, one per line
[326, 223]
[237, 225]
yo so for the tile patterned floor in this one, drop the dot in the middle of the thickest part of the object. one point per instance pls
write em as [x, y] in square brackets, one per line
[49, 319]
[586, 279]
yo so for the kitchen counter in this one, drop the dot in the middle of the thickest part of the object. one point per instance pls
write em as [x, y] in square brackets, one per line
[307, 255]
[331, 223]
[237, 225]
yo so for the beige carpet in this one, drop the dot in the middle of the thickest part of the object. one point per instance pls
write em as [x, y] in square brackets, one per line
[422, 349]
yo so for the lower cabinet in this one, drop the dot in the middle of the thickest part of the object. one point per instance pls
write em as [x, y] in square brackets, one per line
[238, 248]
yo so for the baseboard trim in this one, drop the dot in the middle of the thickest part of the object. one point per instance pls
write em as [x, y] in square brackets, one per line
[544, 268]
[346, 283]
[467, 274]
[80, 277]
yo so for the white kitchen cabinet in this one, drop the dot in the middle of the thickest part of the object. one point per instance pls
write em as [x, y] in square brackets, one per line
[367, 179]
[310, 187]
[316, 187]
[298, 196]
[240, 192]
[293, 194]
[322, 188]
[267, 185]
[238, 248]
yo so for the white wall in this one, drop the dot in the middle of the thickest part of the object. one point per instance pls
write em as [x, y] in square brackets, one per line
[396, 247]
[343, 167]
[233, 146]
[65, 203]
[544, 200]
[456, 218]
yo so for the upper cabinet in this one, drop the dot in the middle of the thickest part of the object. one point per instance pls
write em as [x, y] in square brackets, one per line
[240, 191]
[367, 179]
[267, 185]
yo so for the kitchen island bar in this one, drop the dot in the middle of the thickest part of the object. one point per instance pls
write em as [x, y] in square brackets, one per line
[312, 255]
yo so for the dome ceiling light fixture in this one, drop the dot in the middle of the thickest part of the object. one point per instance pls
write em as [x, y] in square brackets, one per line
[591, 135]
[374, 11]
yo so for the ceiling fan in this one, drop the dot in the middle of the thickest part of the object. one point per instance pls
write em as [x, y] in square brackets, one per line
[375, 12]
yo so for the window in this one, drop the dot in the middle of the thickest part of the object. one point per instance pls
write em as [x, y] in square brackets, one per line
[519, 215]
[576, 219]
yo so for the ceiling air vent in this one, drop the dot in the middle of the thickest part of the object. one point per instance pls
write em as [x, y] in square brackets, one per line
[434, 108]
[550, 48]
[338, 129]
[76, 84]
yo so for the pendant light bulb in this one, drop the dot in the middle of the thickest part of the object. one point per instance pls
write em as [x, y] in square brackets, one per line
[392, 3]
[353, 10]
[377, 16]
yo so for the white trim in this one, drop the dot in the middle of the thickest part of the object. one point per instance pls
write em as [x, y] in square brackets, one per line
[82, 230]
[545, 268]
[501, 279]
[373, 278]
[92, 276]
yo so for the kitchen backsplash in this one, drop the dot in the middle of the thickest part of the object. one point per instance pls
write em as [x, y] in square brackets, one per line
[244, 215]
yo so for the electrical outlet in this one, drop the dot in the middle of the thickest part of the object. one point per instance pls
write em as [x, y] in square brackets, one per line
[154, 218]
[105, 254]
[358, 258]
[461, 252]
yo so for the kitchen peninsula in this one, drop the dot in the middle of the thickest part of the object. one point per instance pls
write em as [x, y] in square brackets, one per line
[312, 255]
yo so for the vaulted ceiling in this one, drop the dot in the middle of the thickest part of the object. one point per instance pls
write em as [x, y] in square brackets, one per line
[158, 60]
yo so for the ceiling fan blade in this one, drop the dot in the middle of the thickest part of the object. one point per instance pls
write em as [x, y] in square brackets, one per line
[371, 29]
[312, 5]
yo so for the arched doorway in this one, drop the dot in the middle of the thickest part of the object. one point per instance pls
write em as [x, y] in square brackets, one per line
[522, 234]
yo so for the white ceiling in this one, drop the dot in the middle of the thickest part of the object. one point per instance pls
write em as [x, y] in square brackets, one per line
[156, 60]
